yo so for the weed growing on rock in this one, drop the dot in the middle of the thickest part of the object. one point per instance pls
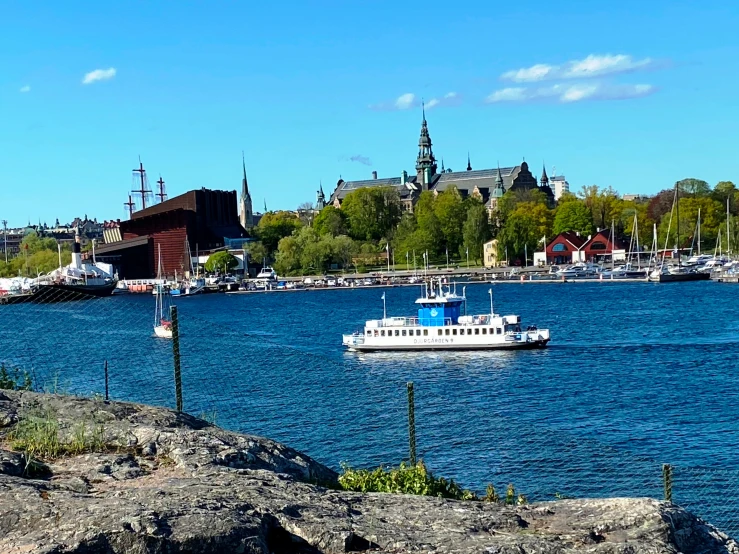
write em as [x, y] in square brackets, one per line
[406, 479]
[37, 435]
[15, 379]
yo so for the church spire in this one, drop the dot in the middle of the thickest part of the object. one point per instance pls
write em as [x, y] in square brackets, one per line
[469, 165]
[499, 177]
[244, 184]
[425, 162]
[544, 179]
[442, 165]
[246, 213]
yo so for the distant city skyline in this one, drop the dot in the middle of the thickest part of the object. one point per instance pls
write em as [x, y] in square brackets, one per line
[613, 95]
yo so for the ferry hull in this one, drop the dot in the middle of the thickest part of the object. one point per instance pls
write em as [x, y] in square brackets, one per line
[534, 345]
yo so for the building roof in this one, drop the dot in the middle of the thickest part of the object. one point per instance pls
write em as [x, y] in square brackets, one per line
[465, 181]
[122, 244]
[575, 240]
[603, 235]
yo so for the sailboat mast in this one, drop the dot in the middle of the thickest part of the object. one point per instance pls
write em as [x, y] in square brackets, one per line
[636, 236]
[699, 231]
[728, 237]
[677, 208]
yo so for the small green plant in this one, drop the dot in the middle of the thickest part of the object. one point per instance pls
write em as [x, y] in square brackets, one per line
[210, 417]
[405, 479]
[491, 495]
[37, 435]
[510, 494]
[14, 379]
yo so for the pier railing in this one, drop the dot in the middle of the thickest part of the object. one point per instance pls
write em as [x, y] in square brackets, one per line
[229, 368]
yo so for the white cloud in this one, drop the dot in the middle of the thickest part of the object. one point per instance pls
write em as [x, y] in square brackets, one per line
[25, 88]
[591, 66]
[571, 93]
[534, 73]
[511, 94]
[405, 101]
[409, 100]
[98, 75]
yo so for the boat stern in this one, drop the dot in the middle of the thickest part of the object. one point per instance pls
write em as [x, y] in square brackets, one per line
[353, 341]
[539, 337]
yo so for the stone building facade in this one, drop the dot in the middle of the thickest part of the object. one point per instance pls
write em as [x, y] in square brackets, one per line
[489, 185]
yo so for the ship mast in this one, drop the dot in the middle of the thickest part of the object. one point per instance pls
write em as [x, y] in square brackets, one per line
[143, 191]
[130, 205]
[161, 194]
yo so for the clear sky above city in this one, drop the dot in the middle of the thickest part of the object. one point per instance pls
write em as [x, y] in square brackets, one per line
[631, 94]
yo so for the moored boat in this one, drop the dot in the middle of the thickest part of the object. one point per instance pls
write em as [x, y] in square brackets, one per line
[440, 325]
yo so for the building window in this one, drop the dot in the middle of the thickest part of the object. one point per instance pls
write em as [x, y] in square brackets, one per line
[425, 332]
[559, 247]
[597, 246]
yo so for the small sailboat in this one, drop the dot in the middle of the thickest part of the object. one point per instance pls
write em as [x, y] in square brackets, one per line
[162, 321]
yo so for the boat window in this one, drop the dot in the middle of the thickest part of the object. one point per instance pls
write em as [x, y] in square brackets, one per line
[446, 331]
[454, 331]
[469, 331]
[500, 331]
[418, 332]
[425, 332]
[375, 332]
[397, 333]
[369, 333]
[382, 333]
[477, 331]
[484, 330]
[439, 333]
[403, 332]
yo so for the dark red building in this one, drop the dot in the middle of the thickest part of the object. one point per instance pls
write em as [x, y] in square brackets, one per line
[203, 219]
[560, 249]
[600, 245]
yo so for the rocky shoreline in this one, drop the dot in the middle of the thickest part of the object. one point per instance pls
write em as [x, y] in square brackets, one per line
[160, 481]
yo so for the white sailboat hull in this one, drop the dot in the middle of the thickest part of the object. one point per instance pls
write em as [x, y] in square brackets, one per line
[163, 332]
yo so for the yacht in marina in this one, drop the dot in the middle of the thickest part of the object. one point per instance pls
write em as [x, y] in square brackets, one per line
[441, 325]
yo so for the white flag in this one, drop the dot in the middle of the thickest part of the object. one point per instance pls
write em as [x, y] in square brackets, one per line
[543, 239]
[383, 296]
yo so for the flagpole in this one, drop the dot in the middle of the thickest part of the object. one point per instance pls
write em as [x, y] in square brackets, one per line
[490, 291]
[384, 307]
[387, 249]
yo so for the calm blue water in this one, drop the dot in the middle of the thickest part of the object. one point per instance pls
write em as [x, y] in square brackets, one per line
[636, 375]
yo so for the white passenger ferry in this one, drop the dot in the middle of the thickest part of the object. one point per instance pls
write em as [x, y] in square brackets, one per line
[440, 325]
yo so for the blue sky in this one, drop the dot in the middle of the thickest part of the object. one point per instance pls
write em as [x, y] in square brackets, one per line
[635, 95]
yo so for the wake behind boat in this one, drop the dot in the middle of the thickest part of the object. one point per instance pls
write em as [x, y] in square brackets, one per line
[440, 326]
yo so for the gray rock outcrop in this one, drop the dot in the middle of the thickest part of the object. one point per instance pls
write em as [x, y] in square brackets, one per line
[167, 482]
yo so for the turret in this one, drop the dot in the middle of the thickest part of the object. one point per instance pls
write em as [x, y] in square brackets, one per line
[77, 251]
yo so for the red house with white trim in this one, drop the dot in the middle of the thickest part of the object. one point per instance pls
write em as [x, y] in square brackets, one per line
[600, 244]
[559, 250]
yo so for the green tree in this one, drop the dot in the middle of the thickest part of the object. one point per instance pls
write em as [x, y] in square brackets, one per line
[221, 261]
[476, 230]
[694, 187]
[513, 198]
[517, 235]
[451, 213]
[274, 226]
[724, 190]
[257, 252]
[330, 221]
[372, 212]
[344, 249]
[428, 232]
[573, 216]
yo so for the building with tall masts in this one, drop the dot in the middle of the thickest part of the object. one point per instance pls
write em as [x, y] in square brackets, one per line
[246, 213]
[486, 184]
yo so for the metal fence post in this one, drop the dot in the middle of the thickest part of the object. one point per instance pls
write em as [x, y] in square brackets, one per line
[107, 397]
[667, 479]
[411, 424]
[176, 356]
